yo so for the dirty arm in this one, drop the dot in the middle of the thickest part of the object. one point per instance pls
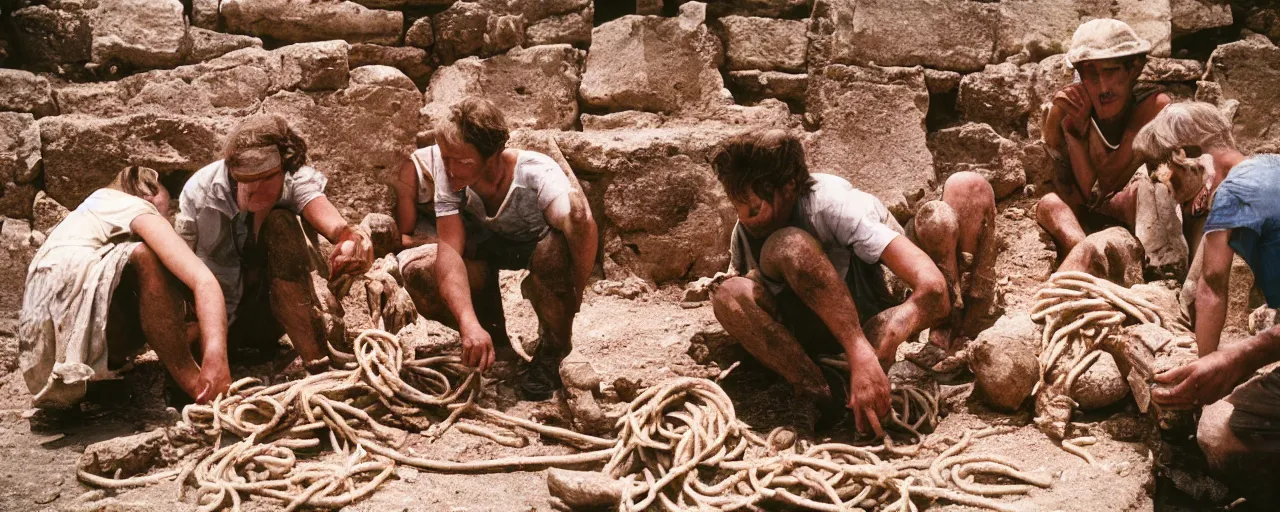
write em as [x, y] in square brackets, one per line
[927, 304]
[1211, 291]
[571, 215]
[211, 309]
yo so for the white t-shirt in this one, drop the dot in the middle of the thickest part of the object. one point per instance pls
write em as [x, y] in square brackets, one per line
[846, 221]
[538, 180]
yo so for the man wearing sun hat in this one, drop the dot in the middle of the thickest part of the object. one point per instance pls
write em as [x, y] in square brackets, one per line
[1090, 130]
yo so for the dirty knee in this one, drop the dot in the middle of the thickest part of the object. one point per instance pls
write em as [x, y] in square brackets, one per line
[936, 220]
[969, 185]
[790, 244]
[1214, 434]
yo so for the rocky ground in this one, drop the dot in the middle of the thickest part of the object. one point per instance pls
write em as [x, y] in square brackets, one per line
[633, 337]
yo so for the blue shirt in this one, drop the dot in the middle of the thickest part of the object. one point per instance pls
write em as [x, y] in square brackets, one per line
[1248, 203]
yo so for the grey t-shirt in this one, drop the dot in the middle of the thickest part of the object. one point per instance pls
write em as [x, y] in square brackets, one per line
[538, 180]
[846, 221]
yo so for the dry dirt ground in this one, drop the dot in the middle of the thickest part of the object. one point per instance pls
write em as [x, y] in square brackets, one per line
[643, 340]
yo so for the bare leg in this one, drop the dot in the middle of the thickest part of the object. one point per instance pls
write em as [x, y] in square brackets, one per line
[974, 203]
[1058, 218]
[418, 266]
[161, 301]
[747, 312]
[293, 298]
[549, 287]
[937, 230]
[1250, 471]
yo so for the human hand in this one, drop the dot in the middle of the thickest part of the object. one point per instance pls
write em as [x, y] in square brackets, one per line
[477, 348]
[1076, 108]
[352, 254]
[868, 393]
[215, 378]
[1202, 382]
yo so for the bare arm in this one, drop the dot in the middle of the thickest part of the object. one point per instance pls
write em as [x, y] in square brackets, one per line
[571, 215]
[455, 289]
[1211, 291]
[929, 301]
[406, 188]
[211, 308]
[346, 259]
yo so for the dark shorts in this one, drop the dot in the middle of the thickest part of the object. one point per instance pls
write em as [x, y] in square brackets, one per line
[866, 284]
[1256, 418]
[501, 253]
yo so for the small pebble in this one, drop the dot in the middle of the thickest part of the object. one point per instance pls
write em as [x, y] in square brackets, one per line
[407, 474]
[45, 499]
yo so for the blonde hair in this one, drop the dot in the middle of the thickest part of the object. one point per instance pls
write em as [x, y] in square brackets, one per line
[477, 122]
[1184, 124]
[138, 181]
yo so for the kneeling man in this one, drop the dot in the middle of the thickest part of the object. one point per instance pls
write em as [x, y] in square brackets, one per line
[806, 256]
[499, 208]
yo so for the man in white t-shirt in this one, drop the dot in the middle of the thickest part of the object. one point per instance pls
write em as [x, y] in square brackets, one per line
[496, 208]
[806, 277]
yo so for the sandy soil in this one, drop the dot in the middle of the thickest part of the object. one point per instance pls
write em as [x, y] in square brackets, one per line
[645, 341]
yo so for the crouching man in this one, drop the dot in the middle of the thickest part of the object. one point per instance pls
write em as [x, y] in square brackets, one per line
[806, 256]
[1240, 427]
[499, 208]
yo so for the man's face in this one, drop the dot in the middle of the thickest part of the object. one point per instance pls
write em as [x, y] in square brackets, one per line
[761, 218]
[259, 193]
[1110, 85]
[462, 163]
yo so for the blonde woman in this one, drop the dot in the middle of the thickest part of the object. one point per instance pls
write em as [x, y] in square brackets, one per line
[112, 258]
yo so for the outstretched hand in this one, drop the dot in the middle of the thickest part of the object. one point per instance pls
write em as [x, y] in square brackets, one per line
[1202, 382]
[868, 393]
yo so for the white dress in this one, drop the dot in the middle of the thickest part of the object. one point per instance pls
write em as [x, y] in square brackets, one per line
[63, 323]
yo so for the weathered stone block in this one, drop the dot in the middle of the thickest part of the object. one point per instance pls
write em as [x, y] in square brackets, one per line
[203, 45]
[572, 28]
[82, 154]
[1189, 16]
[1249, 71]
[764, 44]
[414, 62]
[26, 92]
[139, 33]
[654, 64]
[977, 148]
[314, 66]
[872, 131]
[535, 87]
[51, 36]
[420, 34]
[750, 86]
[955, 36]
[1000, 96]
[382, 75]
[297, 21]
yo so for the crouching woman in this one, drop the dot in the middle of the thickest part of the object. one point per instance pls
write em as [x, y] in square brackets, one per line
[112, 275]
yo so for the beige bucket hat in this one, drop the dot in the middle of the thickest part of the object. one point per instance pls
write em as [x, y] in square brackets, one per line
[1105, 38]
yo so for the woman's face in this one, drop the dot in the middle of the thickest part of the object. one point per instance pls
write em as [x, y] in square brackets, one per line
[260, 193]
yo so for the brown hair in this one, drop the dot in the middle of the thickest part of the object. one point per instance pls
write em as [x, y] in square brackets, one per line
[266, 130]
[138, 181]
[477, 122]
[762, 162]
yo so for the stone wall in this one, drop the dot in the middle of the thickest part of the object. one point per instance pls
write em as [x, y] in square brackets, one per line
[893, 95]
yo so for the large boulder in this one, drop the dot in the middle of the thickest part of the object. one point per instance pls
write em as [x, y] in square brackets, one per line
[379, 123]
[26, 92]
[16, 251]
[1195, 15]
[139, 33]
[535, 87]
[414, 62]
[203, 45]
[1003, 361]
[382, 75]
[764, 44]
[791, 9]
[20, 163]
[655, 64]
[1249, 71]
[871, 131]
[297, 21]
[1000, 96]
[82, 154]
[1050, 76]
[471, 28]
[420, 34]
[1044, 27]
[204, 14]
[977, 148]
[1100, 386]
[50, 36]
